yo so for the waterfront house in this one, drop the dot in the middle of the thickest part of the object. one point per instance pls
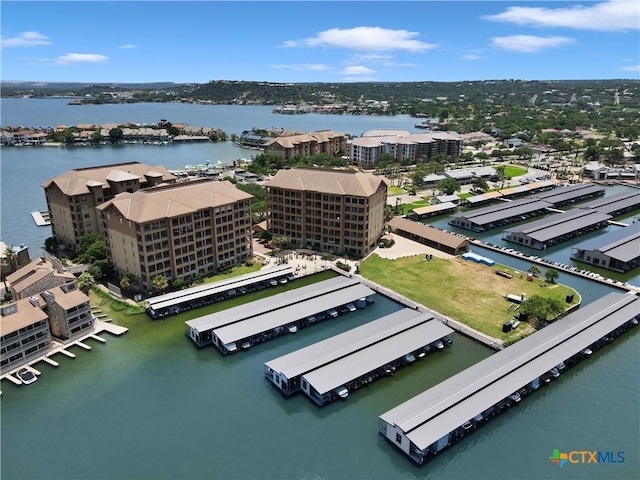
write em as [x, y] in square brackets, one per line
[25, 333]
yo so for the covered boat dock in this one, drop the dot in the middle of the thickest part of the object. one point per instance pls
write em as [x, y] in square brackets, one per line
[428, 423]
[571, 194]
[194, 297]
[495, 216]
[285, 372]
[450, 243]
[618, 250]
[615, 205]
[557, 228]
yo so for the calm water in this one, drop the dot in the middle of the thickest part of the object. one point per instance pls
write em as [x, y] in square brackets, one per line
[150, 405]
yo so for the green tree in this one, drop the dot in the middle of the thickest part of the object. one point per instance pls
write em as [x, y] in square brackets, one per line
[92, 247]
[540, 309]
[159, 284]
[86, 281]
[552, 275]
[281, 241]
[534, 270]
[449, 186]
[480, 184]
[116, 135]
[125, 282]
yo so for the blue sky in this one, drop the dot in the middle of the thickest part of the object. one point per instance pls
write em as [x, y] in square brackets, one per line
[331, 41]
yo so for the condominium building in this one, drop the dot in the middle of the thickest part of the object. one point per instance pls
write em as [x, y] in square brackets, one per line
[25, 333]
[68, 310]
[324, 141]
[327, 210]
[182, 230]
[73, 196]
[402, 145]
[38, 276]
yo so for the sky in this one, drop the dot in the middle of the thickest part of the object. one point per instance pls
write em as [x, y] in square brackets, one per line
[328, 41]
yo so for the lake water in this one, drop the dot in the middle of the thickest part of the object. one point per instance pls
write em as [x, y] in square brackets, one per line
[150, 405]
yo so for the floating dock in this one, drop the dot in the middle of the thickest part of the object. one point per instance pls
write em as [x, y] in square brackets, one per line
[441, 416]
[42, 218]
[332, 368]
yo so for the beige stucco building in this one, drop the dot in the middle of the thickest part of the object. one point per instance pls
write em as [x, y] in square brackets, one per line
[324, 141]
[327, 210]
[73, 196]
[183, 230]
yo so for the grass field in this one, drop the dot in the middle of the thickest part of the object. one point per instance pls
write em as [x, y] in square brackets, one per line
[465, 291]
[391, 191]
[514, 171]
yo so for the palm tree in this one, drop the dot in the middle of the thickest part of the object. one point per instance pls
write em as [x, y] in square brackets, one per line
[85, 282]
[159, 283]
[534, 270]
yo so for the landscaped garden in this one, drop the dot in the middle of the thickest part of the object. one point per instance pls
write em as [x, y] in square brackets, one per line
[468, 292]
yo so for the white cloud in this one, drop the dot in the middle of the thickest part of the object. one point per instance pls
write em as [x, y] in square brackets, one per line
[318, 67]
[357, 70]
[375, 39]
[472, 56]
[608, 15]
[26, 39]
[73, 58]
[528, 43]
[129, 45]
[631, 68]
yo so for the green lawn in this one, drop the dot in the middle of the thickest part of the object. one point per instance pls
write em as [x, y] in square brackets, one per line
[391, 191]
[514, 171]
[465, 291]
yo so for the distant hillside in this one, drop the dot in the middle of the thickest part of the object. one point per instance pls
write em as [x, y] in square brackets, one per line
[400, 96]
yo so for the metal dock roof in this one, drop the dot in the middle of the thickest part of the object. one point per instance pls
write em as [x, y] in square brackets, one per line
[359, 363]
[326, 351]
[571, 192]
[283, 316]
[200, 291]
[275, 302]
[419, 412]
[621, 244]
[486, 215]
[560, 224]
[614, 203]
[455, 416]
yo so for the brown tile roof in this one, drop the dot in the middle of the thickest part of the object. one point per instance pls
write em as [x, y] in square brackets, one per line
[68, 300]
[430, 233]
[25, 315]
[172, 200]
[335, 182]
[74, 182]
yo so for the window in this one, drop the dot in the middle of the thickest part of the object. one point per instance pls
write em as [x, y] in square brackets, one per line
[398, 438]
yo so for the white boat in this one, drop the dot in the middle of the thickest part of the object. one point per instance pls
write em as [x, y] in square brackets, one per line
[409, 358]
[26, 376]
[231, 347]
[515, 397]
[246, 345]
[421, 354]
[351, 307]
[587, 351]
[361, 302]
[311, 319]
[332, 312]
[292, 328]
[342, 392]
[438, 344]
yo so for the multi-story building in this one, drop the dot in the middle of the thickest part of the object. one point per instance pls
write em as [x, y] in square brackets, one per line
[73, 196]
[38, 276]
[324, 141]
[402, 145]
[181, 230]
[25, 333]
[327, 210]
[68, 310]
